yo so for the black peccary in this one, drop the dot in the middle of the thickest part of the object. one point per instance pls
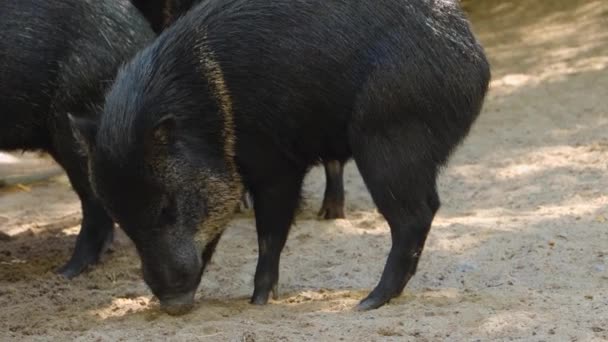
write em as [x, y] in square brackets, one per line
[59, 57]
[251, 93]
[161, 14]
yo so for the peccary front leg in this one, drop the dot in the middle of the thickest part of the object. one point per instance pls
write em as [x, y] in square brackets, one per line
[275, 205]
[333, 201]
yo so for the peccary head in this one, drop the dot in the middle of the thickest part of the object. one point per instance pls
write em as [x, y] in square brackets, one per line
[161, 161]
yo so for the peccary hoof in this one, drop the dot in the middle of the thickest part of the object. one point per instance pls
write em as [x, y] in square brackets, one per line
[331, 211]
[371, 302]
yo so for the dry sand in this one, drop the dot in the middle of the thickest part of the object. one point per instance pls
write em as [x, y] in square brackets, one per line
[519, 250]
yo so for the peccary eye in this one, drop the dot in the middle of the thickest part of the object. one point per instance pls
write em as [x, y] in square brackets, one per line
[168, 211]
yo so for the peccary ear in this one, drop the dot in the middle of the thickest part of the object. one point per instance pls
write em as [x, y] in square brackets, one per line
[84, 131]
[163, 129]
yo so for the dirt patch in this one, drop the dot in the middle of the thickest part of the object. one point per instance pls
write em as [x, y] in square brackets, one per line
[518, 251]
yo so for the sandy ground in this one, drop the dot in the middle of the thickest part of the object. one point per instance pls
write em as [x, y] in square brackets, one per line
[519, 250]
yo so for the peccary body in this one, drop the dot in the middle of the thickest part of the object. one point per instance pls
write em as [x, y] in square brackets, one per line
[249, 94]
[59, 57]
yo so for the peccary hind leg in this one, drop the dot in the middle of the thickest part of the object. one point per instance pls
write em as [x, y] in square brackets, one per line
[95, 237]
[333, 201]
[402, 184]
[96, 232]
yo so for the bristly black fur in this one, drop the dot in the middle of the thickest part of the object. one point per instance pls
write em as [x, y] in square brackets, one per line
[290, 43]
[161, 14]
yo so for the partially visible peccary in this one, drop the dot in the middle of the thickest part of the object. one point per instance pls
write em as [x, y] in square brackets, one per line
[59, 57]
[161, 14]
[251, 93]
